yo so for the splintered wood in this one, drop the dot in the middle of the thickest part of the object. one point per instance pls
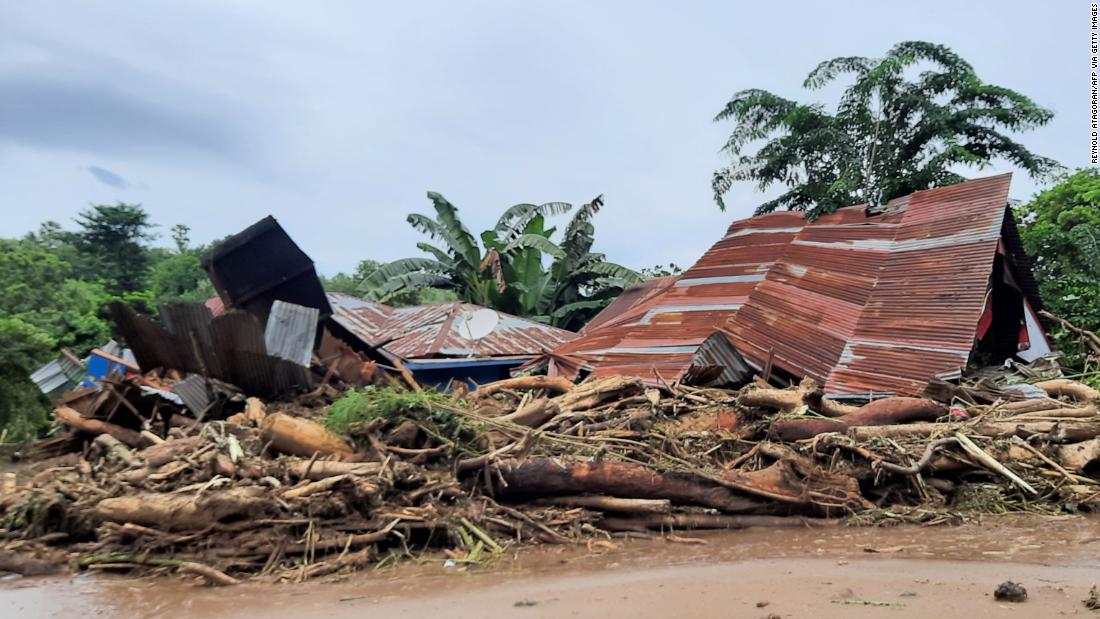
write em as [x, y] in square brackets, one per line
[271, 492]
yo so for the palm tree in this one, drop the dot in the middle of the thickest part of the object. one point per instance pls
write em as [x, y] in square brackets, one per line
[508, 270]
[890, 135]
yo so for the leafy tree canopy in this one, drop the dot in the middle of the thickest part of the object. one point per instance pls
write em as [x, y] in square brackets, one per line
[906, 121]
[111, 238]
[516, 267]
[1060, 228]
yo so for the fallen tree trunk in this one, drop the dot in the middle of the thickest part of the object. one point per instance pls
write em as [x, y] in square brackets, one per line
[556, 384]
[610, 504]
[710, 521]
[162, 453]
[73, 419]
[1069, 411]
[1071, 388]
[597, 391]
[569, 476]
[320, 469]
[886, 411]
[533, 415]
[184, 512]
[1079, 455]
[1028, 406]
[28, 565]
[1057, 431]
[302, 437]
[212, 576]
[807, 394]
[114, 449]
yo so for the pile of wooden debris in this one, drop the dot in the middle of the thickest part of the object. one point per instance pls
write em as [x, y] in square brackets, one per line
[307, 489]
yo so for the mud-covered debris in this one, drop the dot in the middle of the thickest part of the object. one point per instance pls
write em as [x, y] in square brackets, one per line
[1092, 602]
[1009, 591]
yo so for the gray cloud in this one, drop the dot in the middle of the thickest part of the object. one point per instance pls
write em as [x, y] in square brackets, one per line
[59, 113]
[108, 177]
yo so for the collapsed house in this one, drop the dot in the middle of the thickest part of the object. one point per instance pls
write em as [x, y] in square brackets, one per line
[866, 301]
[437, 343]
[444, 342]
[273, 330]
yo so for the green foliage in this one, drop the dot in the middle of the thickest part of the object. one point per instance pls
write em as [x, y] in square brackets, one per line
[351, 284]
[23, 409]
[1060, 228]
[111, 241]
[55, 286]
[894, 131]
[38, 288]
[661, 270]
[360, 406]
[180, 277]
[517, 267]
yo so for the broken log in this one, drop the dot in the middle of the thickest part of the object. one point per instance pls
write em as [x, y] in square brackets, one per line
[610, 504]
[184, 512]
[596, 391]
[162, 453]
[73, 419]
[1057, 431]
[711, 521]
[212, 576]
[556, 384]
[887, 411]
[28, 565]
[1068, 411]
[320, 469]
[538, 477]
[1065, 387]
[1077, 456]
[253, 413]
[302, 437]
[532, 415]
[807, 394]
[328, 483]
[1028, 406]
[114, 449]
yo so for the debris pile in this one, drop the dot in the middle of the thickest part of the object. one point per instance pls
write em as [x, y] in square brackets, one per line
[304, 488]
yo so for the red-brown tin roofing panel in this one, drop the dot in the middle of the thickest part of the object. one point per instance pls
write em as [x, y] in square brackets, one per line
[428, 331]
[861, 302]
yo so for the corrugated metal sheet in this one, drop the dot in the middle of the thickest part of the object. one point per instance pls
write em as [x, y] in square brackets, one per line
[229, 347]
[428, 331]
[861, 302]
[61, 374]
[290, 332]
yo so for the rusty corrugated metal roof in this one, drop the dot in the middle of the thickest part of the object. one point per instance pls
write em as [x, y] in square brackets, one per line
[861, 302]
[427, 331]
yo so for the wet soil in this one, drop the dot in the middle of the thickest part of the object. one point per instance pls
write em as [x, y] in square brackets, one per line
[940, 572]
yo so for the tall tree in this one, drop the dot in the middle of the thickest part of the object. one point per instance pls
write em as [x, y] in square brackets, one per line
[507, 269]
[112, 239]
[906, 122]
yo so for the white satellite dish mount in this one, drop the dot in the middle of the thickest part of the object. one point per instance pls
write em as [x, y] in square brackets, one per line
[476, 324]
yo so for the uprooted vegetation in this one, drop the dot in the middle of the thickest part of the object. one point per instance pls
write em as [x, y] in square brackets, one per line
[377, 475]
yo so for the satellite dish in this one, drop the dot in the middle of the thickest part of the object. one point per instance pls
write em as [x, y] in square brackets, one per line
[476, 324]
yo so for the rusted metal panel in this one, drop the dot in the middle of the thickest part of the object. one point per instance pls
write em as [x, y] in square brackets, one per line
[862, 301]
[428, 331]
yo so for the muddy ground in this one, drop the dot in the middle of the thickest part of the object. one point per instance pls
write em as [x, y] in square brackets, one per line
[941, 572]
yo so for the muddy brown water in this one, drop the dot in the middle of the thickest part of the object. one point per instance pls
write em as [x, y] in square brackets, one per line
[940, 572]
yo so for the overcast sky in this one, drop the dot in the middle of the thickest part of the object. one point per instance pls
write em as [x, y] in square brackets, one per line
[337, 117]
